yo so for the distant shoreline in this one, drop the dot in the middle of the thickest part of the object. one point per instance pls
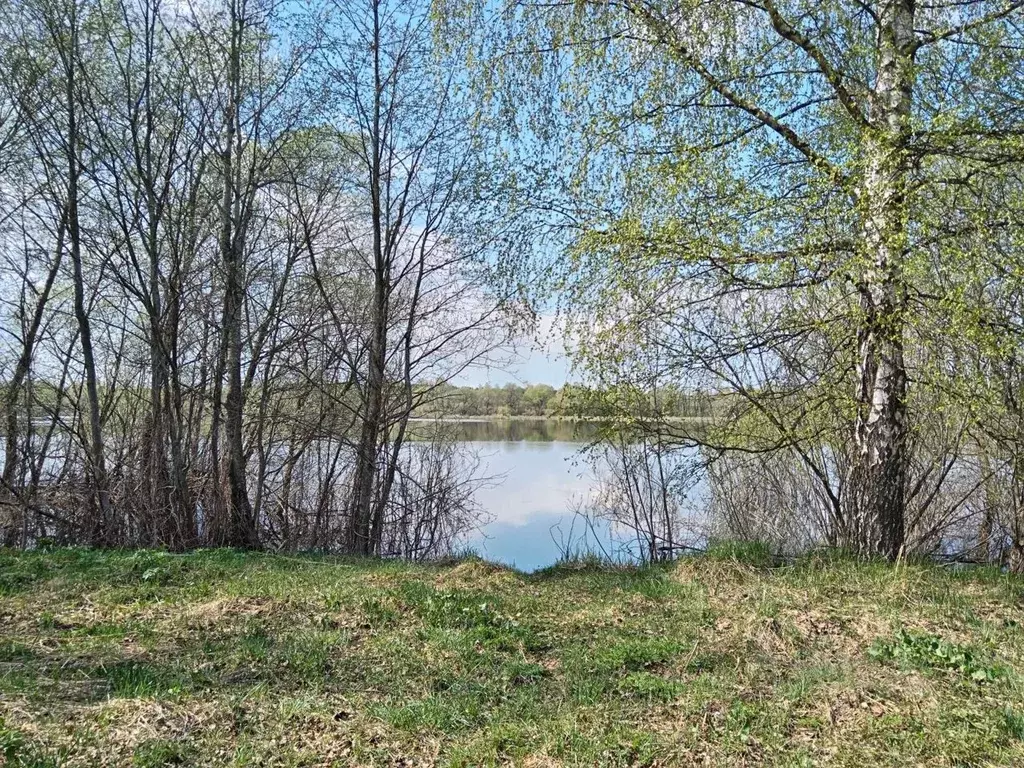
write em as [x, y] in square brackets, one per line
[499, 417]
[455, 419]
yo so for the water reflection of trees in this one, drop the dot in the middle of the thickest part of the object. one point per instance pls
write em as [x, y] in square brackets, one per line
[655, 497]
[430, 507]
[524, 430]
[641, 508]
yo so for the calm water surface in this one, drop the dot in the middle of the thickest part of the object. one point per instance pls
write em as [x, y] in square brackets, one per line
[537, 476]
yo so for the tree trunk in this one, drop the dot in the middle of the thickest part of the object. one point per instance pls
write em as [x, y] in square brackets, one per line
[361, 511]
[162, 512]
[181, 495]
[361, 507]
[241, 528]
[875, 490]
[98, 522]
[11, 484]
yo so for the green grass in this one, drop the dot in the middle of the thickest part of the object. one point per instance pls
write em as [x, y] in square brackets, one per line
[223, 658]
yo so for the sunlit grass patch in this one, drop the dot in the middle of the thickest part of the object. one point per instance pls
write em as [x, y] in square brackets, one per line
[158, 753]
[237, 659]
[140, 679]
[927, 651]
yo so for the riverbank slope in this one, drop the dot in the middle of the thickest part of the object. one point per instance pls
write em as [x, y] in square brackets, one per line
[226, 658]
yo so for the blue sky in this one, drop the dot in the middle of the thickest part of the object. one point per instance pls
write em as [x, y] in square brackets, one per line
[537, 359]
[534, 363]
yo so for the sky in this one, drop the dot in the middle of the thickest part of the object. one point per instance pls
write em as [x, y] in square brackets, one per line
[538, 359]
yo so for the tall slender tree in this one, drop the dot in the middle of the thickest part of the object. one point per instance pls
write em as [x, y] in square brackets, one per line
[753, 188]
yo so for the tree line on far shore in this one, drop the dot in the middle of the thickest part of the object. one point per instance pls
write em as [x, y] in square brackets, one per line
[543, 400]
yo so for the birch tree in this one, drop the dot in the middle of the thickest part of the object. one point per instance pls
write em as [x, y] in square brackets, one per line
[426, 223]
[753, 188]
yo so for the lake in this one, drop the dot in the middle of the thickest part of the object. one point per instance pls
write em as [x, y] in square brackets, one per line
[537, 475]
[528, 500]
[529, 477]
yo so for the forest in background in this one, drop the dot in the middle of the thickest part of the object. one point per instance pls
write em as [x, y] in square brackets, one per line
[571, 401]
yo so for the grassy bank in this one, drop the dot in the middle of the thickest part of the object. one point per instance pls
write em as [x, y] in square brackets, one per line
[222, 658]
